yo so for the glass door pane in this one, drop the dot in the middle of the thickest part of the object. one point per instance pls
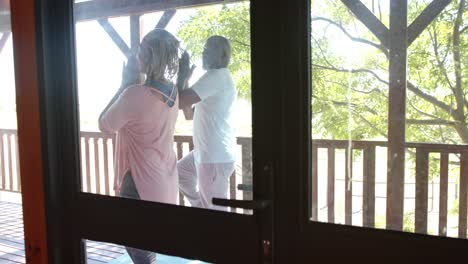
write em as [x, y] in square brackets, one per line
[367, 171]
[214, 150]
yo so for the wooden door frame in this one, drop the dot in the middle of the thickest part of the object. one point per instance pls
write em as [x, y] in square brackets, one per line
[27, 82]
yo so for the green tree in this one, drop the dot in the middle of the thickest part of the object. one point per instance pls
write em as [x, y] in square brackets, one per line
[436, 97]
[437, 106]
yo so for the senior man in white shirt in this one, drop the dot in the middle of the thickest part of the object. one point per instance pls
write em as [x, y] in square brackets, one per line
[210, 102]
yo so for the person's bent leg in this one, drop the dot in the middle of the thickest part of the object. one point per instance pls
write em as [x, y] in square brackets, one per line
[214, 183]
[188, 180]
[138, 256]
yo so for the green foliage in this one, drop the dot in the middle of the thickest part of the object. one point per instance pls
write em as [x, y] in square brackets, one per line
[231, 21]
[355, 103]
[408, 222]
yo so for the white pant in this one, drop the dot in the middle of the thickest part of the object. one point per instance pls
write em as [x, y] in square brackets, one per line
[212, 179]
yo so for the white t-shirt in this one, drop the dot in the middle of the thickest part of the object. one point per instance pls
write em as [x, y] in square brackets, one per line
[213, 128]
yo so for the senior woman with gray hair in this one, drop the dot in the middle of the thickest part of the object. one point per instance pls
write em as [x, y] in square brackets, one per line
[144, 114]
[212, 160]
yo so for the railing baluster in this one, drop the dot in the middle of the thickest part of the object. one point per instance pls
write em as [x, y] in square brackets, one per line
[191, 145]
[331, 185]
[462, 221]
[349, 186]
[2, 162]
[369, 187]
[422, 165]
[180, 155]
[18, 171]
[10, 161]
[88, 169]
[443, 194]
[314, 183]
[97, 174]
[247, 168]
[232, 185]
[233, 188]
[105, 146]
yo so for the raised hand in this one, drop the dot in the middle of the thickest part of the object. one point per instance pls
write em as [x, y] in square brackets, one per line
[185, 71]
[131, 72]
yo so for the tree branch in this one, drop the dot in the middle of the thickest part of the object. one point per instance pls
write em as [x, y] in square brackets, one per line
[382, 133]
[356, 39]
[352, 71]
[430, 122]
[420, 111]
[463, 30]
[431, 99]
[457, 59]
[442, 68]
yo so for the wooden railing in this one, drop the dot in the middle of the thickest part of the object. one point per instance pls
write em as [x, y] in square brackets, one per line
[359, 194]
[368, 181]
[98, 173]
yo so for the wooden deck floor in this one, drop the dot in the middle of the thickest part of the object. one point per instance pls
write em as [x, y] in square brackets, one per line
[12, 239]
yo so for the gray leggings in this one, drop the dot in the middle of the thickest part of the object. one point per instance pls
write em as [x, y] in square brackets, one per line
[129, 190]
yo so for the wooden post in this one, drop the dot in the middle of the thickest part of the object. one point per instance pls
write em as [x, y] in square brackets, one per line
[397, 113]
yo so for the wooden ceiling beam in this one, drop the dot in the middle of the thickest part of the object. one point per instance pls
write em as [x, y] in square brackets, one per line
[166, 18]
[429, 14]
[369, 20]
[96, 9]
[116, 38]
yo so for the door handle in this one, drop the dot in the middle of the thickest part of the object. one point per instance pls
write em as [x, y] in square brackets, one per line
[243, 204]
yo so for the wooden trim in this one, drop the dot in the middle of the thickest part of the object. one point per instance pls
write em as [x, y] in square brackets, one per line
[425, 18]
[23, 23]
[99, 220]
[369, 20]
[397, 114]
[96, 9]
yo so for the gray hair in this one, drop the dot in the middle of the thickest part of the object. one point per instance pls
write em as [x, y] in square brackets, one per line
[220, 53]
[160, 55]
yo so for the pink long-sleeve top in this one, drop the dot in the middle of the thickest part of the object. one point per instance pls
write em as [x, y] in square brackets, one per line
[144, 145]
